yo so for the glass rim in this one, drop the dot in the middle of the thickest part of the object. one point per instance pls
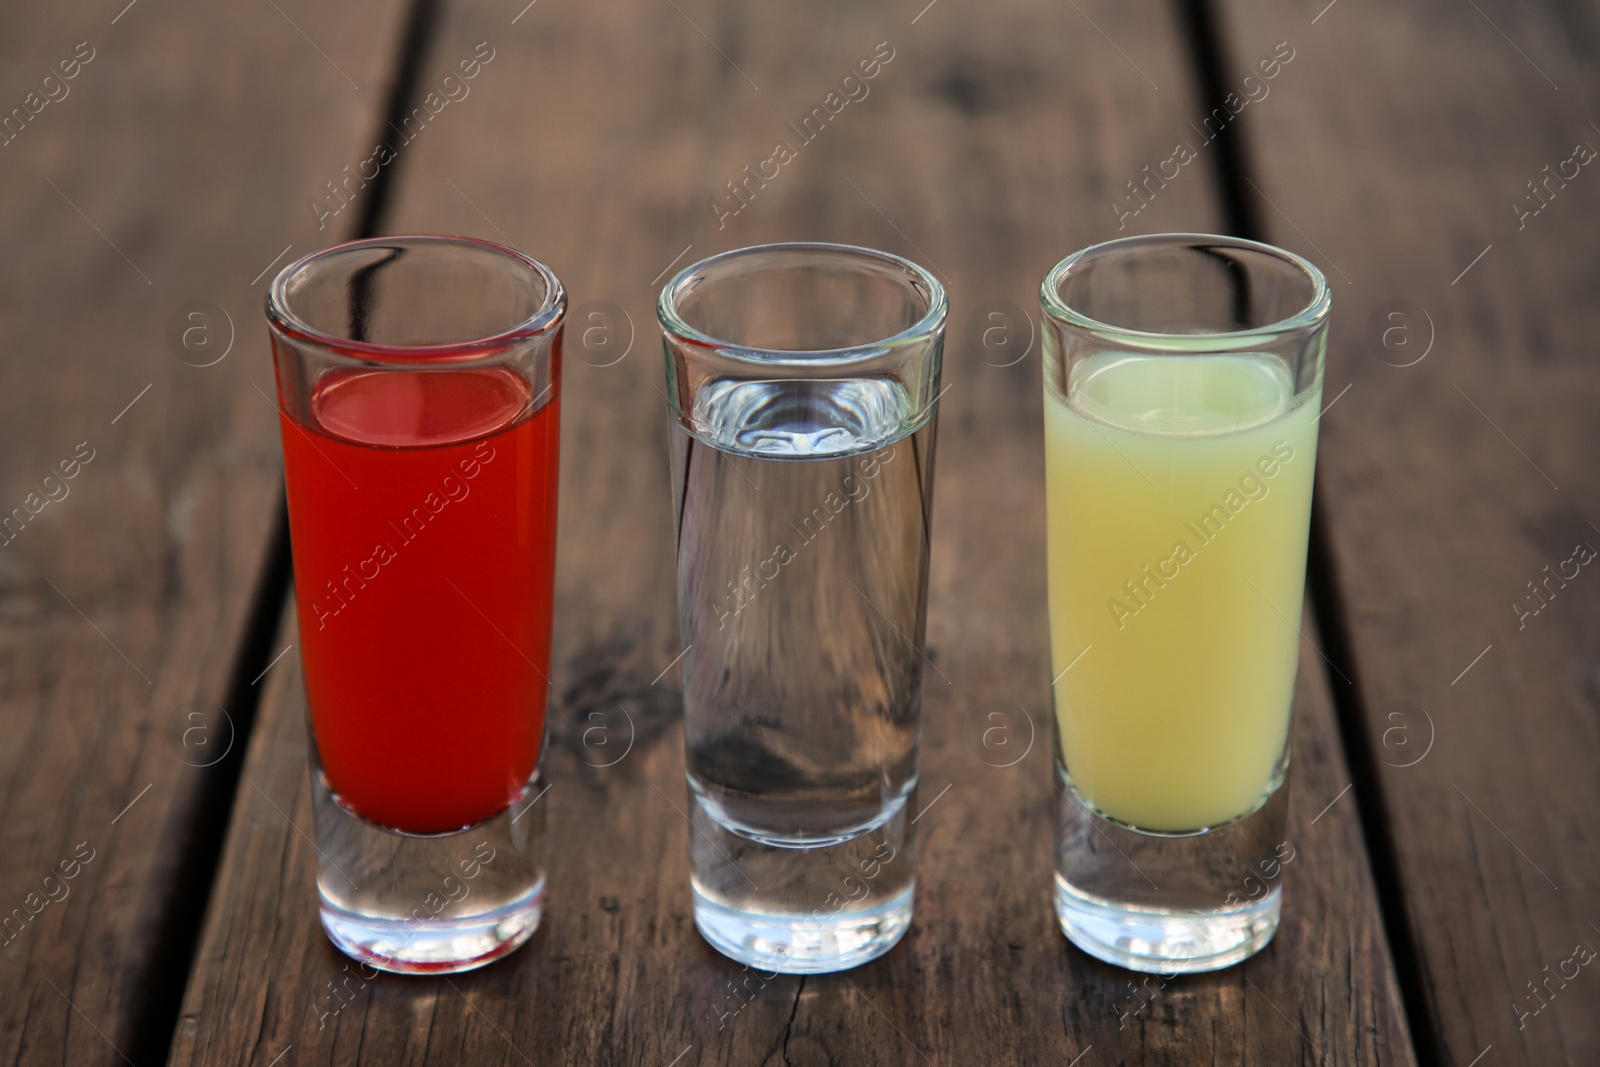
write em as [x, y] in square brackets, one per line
[552, 309]
[929, 323]
[1313, 314]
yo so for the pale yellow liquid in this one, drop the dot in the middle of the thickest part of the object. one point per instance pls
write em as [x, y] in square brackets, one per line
[1176, 717]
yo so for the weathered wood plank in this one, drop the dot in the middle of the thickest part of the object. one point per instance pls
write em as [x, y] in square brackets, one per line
[987, 148]
[169, 161]
[619, 974]
[1396, 150]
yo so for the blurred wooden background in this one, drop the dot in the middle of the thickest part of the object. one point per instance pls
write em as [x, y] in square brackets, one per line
[162, 159]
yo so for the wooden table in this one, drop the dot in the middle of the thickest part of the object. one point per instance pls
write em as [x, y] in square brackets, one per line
[1446, 806]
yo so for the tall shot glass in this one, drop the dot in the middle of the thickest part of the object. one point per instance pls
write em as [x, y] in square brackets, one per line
[1183, 379]
[419, 392]
[803, 383]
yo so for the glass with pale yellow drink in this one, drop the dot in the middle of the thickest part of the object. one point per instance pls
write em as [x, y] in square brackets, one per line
[1183, 379]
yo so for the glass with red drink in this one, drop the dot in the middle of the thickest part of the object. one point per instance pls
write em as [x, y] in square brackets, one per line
[419, 404]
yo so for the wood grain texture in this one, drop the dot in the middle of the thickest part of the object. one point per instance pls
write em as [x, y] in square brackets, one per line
[619, 975]
[173, 165]
[1394, 151]
[991, 145]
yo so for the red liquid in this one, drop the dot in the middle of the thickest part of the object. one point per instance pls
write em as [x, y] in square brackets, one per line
[422, 513]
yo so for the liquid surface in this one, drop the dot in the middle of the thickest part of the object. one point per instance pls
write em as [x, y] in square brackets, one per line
[1179, 496]
[802, 419]
[802, 570]
[422, 510]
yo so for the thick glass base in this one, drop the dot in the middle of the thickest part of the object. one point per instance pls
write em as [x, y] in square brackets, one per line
[442, 946]
[800, 944]
[1170, 903]
[1165, 942]
[803, 910]
[428, 904]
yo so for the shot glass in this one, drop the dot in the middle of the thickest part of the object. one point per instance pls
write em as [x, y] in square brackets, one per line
[419, 401]
[1182, 381]
[803, 382]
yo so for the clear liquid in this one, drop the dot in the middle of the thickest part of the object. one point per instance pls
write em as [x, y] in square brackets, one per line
[802, 522]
